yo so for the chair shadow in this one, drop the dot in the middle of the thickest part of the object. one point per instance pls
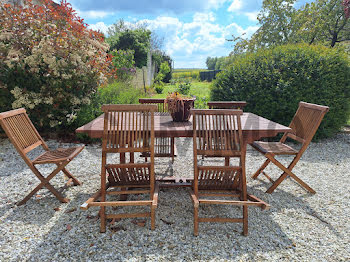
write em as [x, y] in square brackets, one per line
[10, 159]
[282, 199]
[170, 233]
[25, 213]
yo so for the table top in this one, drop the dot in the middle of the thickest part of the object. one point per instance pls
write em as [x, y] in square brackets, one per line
[254, 127]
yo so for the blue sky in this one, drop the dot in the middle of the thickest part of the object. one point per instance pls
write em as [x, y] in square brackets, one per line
[192, 29]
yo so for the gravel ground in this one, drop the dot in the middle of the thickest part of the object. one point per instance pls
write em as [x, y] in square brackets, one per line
[298, 227]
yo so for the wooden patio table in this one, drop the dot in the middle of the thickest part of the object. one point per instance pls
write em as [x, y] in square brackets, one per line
[254, 127]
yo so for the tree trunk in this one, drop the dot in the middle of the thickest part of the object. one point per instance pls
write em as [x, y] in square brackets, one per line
[334, 39]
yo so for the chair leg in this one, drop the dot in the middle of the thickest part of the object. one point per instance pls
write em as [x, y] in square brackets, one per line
[48, 186]
[244, 194]
[245, 220]
[153, 217]
[195, 220]
[172, 139]
[263, 166]
[103, 219]
[76, 182]
[287, 172]
[45, 182]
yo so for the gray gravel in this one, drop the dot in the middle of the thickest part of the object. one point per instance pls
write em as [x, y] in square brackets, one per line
[298, 227]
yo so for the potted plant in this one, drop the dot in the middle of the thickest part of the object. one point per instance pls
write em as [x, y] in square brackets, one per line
[179, 106]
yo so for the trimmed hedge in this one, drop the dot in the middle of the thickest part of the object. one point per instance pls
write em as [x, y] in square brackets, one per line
[273, 81]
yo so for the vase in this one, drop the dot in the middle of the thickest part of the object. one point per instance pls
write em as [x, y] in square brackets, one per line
[183, 109]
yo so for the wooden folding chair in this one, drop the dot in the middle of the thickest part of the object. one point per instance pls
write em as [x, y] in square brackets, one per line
[127, 129]
[218, 133]
[26, 138]
[163, 146]
[304, 126]
[227, 104]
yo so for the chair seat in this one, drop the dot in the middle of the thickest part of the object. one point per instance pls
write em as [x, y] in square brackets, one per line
[129, 174]
[162, 148]
[58, 155]
[276, 148]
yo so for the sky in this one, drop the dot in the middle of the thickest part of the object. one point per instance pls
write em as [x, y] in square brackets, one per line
[192, 29]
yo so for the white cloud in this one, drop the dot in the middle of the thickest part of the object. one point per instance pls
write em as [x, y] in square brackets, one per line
[216, 3]
[163, 22]
[235, 6]
[92, 14]
[203, 17]
[237, 30]
[100, 26]
[189, 44]
[252, 16]
[149, 6]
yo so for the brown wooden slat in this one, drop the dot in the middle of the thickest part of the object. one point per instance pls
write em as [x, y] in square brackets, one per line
[228, 202]
[127, 215]
[128, 192]
[122, 203]
[220, 220]
[227, 104]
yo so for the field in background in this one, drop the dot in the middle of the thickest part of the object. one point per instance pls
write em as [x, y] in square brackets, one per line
[187, 73]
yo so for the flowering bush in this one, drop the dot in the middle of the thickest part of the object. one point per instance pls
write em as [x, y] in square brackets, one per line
[50, 63]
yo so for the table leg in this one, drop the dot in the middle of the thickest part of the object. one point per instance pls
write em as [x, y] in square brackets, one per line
[244, 190]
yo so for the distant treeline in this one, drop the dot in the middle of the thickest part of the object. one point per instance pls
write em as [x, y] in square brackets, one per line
[218, 63]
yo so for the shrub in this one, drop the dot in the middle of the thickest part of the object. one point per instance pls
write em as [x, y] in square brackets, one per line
[201, 102]
[159, 87]
[50, 63]
[124, 61]
[114, 93]
[273, 81]
[184, 87]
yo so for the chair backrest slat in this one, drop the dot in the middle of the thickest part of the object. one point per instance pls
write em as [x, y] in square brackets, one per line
[21, 130]
[128, 128]
[160, 102]
[306, 121]
[227, 104]
[217, 132]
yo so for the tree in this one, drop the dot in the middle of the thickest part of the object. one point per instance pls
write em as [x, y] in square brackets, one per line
[322, 21]
[158, 58]
[217, 63]
[131, 37]
[211, 62]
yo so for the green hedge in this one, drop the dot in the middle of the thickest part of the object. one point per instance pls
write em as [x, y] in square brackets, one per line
[273, 81]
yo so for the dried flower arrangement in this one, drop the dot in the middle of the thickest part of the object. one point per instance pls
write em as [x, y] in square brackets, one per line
[179, 106]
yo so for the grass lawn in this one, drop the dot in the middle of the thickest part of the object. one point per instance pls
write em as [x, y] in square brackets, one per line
[201, 90]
